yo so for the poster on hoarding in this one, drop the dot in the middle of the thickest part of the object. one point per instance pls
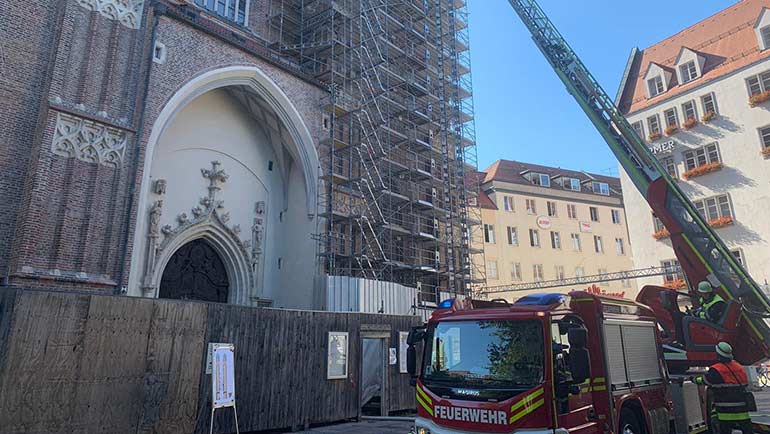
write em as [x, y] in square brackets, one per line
[337, 363]
[223, 375]
[402, 347]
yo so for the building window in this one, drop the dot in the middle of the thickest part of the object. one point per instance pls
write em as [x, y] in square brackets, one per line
[513, 236]
[639, 128]
[537, 271]
[689, 111]
[701, 156]
[616, 216]
[516, 271]
[492, 270]
[594, 211]
[688, 71]
[601, 188]
[620, 246]
[765, 33]
[576, 242]
[572, 211]
[670, 165]
[655, 85]
[709, 103]
[233, 10]
[672, 270]
[653, 124]
[598, 244]
[671, 118]
[540, 179]
[556, 240]
[764, 134]
[580, 271]
[714, 207]
[489, 233]
[758, 83]
[559, 272]
[572, 184]
[508, 203]
[657, 224]
[534, 238]
[531, 207]
[551, 209]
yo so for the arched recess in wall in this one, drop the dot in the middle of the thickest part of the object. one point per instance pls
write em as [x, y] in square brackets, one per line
[296, 161]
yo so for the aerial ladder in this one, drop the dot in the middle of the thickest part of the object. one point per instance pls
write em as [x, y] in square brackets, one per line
[701, 253]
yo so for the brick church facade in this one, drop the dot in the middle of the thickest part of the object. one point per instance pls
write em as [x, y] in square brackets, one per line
[89, 93]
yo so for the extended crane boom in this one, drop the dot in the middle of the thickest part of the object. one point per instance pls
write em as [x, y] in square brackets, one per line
[701, 253]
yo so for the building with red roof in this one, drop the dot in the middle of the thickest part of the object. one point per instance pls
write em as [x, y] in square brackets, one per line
[701, 99]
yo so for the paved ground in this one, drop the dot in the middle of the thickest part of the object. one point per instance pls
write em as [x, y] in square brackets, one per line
[763, 406]
[364, 427]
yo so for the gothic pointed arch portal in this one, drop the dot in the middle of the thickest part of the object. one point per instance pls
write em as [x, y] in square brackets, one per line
[195, 272]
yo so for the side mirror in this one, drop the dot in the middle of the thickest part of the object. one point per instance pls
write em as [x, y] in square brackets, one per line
[416, 334]
[579, 365]
[411, 361]
[578, 338]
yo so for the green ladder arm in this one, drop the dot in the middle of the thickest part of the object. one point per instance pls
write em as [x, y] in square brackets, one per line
[702, 254]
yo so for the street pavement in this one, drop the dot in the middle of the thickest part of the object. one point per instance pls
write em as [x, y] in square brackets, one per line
[763, 406]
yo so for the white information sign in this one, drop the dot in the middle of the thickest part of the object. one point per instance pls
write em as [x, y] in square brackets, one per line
[392, 359]
[223, 375]
[402, 346]
[544, 222]
[586, 227]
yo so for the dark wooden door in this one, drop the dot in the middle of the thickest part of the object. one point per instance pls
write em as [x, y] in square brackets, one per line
[195, 272]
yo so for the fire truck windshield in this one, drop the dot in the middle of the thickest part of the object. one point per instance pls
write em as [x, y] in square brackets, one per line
[500, 355]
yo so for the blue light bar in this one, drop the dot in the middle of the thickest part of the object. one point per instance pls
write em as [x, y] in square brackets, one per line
[446, 304]
[540, 299]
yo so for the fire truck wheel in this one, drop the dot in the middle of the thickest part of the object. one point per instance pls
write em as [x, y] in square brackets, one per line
[629, 422]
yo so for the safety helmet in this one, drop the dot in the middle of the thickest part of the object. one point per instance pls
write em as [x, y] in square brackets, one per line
[725, 350]
[705, 287]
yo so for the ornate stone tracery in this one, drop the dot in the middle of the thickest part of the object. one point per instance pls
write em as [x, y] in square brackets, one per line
[127, 12]
[88, 141]
[209, 215]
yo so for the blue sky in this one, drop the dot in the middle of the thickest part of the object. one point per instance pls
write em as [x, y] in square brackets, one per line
[523, 111]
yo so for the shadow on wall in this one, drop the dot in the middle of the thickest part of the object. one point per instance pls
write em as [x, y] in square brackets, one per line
[742, 235]
[730, 178]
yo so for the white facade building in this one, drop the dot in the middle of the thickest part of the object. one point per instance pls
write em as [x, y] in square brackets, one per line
[698, 99]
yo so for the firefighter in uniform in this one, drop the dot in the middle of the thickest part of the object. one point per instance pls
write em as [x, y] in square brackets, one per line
[712, 305]
[728, 381]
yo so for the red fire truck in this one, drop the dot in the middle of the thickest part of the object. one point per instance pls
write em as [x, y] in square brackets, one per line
[587, 363]
[578, 363]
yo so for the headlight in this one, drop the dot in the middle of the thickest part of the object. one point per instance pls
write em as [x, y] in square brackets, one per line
[421, 430]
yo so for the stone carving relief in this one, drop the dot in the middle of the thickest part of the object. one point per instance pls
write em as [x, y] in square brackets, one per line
[88, 141]
[127, 12]
[209, 210]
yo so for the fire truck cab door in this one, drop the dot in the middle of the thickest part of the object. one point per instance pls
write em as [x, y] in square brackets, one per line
[577, 413]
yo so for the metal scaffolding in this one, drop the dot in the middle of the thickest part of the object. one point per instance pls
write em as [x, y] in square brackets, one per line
[399, 190]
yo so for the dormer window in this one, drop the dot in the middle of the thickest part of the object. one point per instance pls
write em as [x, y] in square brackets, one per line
[655, 86]
[540, 179]
[689, 65]
[233, 10]
[762, 29]
[601, 188]
[688, 72]
[764, 34]
[572, 184]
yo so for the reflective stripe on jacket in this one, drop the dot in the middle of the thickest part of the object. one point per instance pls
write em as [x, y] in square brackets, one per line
[729, 381]
[705, 307]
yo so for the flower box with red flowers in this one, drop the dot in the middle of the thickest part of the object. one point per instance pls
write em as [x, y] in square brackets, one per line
[766, 152]
[654, 136]
[671, 130]
[661, 234]
[759, 98]
[721, 222]
[709, 116]
[690, 123]
[675, 284]
[702, 170]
